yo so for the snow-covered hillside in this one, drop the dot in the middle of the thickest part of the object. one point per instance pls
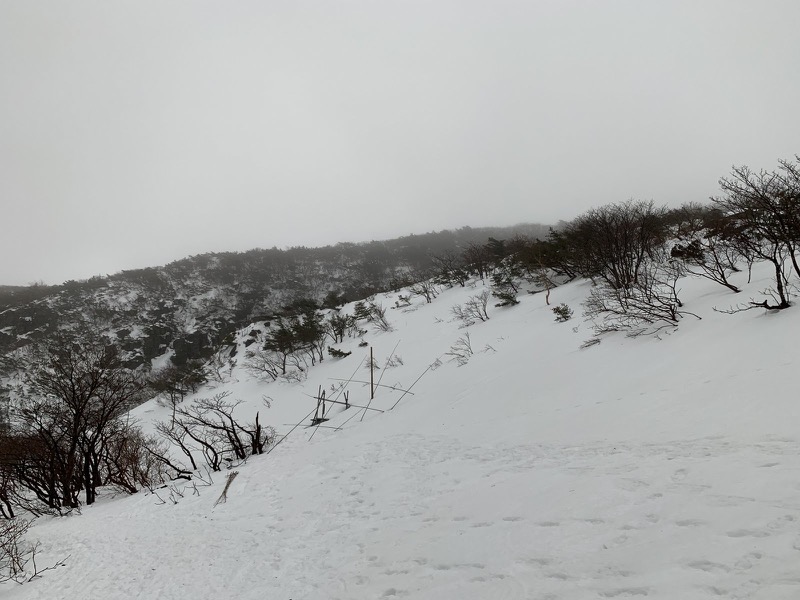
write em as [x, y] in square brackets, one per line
[661, 468]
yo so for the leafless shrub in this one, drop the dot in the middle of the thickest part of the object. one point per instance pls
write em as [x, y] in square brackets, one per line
[647, 306]
[394, 360]
[402, 301]
[427, 289]
[473, 310]
[296, 369]
[263, 364]
[461, 351]
[378, 318]
[709, 255]
[208, 426]
[18, 557]
[789, 289]
[269, 365]
[217, 366]
[14, 552]
[135, 461]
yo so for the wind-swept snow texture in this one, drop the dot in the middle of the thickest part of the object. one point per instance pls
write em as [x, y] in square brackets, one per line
[650, 468]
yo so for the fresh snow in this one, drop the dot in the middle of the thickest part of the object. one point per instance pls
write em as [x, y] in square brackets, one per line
[660, 468]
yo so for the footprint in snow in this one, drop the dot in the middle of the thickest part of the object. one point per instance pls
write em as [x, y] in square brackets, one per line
[689, 523]
[748, 561]
[626, 592]
[780, 522]
[481, 578]
[679, 475]
[737, 533]
[712, 589]
[707, 566]
[539, 562]
[629, 484]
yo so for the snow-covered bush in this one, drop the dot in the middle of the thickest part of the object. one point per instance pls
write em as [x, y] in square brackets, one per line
[562, 312]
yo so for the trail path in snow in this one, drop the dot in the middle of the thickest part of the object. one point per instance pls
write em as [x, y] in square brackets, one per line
[422, 517]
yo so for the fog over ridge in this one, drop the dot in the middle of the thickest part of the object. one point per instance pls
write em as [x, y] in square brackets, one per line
[135, 133]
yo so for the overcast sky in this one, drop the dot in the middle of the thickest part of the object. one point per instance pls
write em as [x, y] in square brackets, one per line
[133, 133]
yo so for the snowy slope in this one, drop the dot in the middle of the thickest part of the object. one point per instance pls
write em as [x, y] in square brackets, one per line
[643, 468]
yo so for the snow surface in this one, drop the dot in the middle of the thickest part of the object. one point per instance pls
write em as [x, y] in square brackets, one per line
[637, 468]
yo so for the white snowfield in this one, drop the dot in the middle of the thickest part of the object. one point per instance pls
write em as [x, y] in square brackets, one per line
[665, 469]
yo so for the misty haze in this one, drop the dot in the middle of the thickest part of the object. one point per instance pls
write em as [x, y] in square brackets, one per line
[434, 300]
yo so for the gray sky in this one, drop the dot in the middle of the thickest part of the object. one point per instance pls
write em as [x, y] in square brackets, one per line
[136, 132]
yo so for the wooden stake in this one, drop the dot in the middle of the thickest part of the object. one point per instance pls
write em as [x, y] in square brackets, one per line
[290, 431]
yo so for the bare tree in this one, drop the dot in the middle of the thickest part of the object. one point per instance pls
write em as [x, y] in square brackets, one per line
[477, 259]
[450, 269]
[764, 211]
[612, 242]
[766, 203]
[72, 400]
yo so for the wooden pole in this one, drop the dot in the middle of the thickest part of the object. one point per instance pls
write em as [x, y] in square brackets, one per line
[377, 385]
[411, 386]
[371, 375]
